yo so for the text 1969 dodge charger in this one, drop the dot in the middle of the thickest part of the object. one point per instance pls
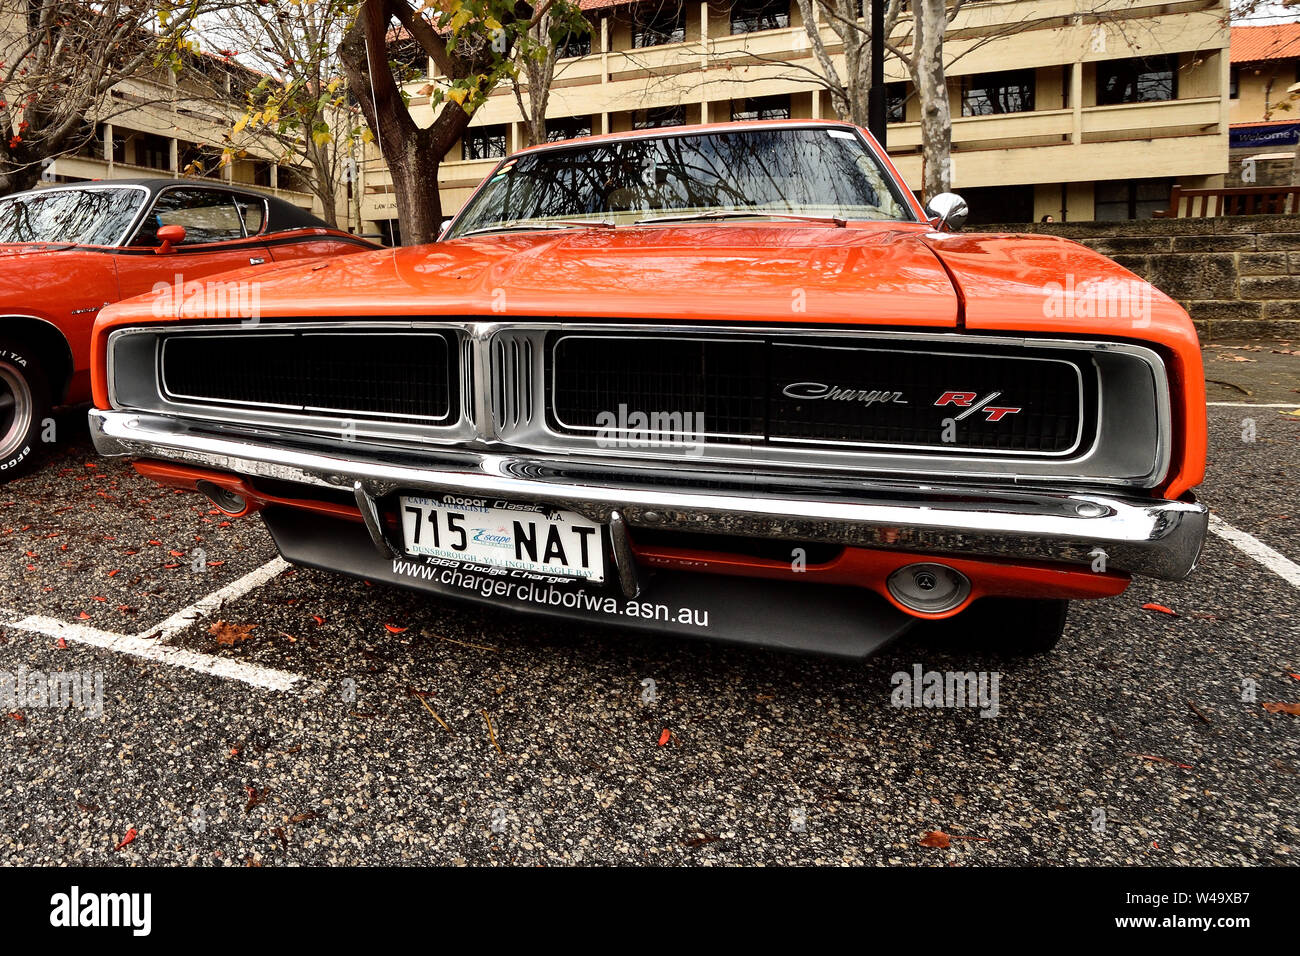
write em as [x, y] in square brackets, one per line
[727, 381]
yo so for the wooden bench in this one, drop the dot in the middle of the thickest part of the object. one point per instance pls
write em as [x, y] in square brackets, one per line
[1232, 201]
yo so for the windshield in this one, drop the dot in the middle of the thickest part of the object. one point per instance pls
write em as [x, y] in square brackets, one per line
[93, 217]
[817, 172]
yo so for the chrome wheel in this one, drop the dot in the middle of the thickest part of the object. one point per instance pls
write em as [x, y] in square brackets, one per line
[15, 408]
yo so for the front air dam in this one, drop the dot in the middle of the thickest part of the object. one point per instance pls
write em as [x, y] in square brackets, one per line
[809, 618]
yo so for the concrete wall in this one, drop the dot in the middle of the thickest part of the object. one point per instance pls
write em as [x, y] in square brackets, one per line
[1238, 277]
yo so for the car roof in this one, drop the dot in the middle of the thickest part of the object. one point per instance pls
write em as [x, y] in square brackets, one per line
[281, 215]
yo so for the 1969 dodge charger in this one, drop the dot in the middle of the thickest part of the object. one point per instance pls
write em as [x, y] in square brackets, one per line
[728, 381]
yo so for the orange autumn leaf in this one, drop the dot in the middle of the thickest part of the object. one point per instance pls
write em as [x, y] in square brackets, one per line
[666, 736]
[62, 644]
[229, 634]
[1279, 708]
[935, 838]
[394, 629]
[1161, 608]
[84, 616]
[131, 834]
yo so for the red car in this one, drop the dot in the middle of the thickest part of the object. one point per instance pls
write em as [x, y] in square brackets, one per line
[728, 381]
[67, 251]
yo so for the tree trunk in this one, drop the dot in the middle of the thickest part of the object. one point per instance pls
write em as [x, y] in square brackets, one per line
[414, 167]
[932, 92]
[413, 154]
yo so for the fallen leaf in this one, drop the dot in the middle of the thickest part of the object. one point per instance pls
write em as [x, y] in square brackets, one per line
[84, 616]
[702, 841]
[62, 644]
[1161, 608]
[131, 834]
[229, 634]
[1280, 708]
[666, 736]
[304, 817]
[255, 797]
[394, 629]
[935, 838]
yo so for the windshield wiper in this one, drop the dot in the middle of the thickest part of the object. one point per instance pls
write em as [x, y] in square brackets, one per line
[532, 226]
[744, 214]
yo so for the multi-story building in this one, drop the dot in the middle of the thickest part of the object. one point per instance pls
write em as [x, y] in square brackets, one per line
[1077, 109]
[1264, 93]
[160, 124]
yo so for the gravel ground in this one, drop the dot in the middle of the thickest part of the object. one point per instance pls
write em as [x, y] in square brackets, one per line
[551, 750]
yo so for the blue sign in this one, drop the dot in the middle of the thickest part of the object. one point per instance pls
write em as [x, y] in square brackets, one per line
[1274, 134]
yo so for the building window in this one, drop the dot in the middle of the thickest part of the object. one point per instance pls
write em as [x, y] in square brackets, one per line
[896, 102]
[153, 151]
[573, 45]
[1130, 199]
[1010, 91]
[570, 128]
[1139, 80]
[761, 108]
[484, 142]
[750, 16]
[1234, 81]
[663, 24]
[664, 116]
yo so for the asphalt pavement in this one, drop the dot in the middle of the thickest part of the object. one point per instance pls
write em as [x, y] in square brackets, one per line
[357, 723]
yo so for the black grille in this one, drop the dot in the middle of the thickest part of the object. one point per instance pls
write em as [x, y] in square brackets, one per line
[352, 374]
[832, 391]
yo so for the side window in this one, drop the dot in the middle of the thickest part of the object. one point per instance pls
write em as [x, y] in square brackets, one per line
[253, 212]
[208, 215]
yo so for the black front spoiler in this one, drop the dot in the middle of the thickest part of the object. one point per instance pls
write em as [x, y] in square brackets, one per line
[822, 619]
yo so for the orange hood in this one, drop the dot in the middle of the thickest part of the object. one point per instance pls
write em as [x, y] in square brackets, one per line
[880, 273]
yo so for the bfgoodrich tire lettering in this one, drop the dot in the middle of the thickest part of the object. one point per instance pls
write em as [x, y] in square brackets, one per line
[24, 408]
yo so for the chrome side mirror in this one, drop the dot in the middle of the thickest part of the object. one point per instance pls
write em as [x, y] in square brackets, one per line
[444, 225]
[947, 211]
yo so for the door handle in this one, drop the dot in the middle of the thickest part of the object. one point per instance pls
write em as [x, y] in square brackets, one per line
[256, 260]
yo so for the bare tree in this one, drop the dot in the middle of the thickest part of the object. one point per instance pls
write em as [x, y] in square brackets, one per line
[551, 34]
[297, 107]
[850, 21]
[61, 59]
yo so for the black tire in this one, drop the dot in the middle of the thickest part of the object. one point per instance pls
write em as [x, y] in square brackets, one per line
[24, 408]
[1015, 626]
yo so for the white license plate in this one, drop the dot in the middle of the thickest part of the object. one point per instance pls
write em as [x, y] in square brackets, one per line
[503, 534]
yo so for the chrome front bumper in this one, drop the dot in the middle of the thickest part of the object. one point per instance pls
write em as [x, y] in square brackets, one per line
[1145, 536]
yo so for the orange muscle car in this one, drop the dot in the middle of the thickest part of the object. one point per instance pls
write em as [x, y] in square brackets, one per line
[727, 381]
[66, 251]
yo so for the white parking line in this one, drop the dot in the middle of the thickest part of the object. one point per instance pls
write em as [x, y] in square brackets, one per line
[255, 675]
[1250, 545]
[205, 606]
[150, 644]
[1253, 405]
